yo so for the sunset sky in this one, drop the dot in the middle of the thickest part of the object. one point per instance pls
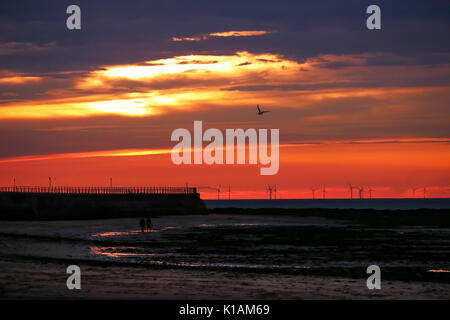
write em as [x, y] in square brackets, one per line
[370, 108]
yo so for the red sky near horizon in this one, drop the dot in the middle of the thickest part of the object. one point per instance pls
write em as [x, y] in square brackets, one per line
[342, 119]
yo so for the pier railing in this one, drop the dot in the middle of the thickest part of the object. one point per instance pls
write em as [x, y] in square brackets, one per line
[100, 190]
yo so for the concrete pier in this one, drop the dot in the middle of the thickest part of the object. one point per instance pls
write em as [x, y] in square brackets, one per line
[129, 202]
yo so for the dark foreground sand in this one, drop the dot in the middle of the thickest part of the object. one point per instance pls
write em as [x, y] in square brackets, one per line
[245, 255]
[24, 279]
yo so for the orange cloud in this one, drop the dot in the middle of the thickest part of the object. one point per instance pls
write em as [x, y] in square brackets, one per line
[92, 154]
[334, 94]
[11, 78]
[243, 33]
[240, 33]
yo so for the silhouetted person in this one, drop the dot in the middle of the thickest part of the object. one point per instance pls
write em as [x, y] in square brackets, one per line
[149, 225]
[142, 223]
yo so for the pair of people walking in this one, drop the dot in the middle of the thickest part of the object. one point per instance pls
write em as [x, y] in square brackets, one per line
[146, 223]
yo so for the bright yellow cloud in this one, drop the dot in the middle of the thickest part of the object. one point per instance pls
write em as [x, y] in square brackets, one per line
[192, 65]
[48, 109]
[189, 82]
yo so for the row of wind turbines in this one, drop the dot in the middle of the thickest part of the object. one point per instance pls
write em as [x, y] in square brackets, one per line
[360, 191]
[272, 191]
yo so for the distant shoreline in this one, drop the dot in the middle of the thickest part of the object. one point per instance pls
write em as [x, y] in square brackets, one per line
[376, 204]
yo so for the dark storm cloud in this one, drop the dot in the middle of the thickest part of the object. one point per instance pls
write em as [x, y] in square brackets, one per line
[34, 41]
[115, 32]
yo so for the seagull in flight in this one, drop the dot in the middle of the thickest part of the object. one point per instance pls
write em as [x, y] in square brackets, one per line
[260, 113]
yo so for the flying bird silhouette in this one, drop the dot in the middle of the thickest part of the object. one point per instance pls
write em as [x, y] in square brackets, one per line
[261, 112]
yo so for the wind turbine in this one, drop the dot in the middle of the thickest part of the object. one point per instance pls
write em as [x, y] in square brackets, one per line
[229, 192]
[413, 191]
[425, 192]
[313, 192]
[260, 113]
[218, 193]
[323, 192]
[351, 190]
[370, 191]
[361, 190]
[269, 189]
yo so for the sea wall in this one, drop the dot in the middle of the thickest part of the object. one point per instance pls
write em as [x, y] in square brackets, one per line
[54, 206]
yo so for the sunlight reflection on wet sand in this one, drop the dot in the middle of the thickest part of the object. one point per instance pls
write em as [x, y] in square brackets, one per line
[104, 251]
[112, 252]
[130, 232]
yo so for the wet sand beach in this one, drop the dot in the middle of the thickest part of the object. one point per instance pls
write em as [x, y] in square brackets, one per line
[24, 279]
[231, 254]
